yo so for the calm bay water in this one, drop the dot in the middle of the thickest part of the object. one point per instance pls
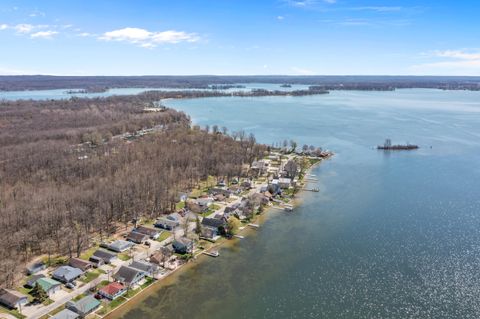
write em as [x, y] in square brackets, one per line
[58, 94]
[390, 235]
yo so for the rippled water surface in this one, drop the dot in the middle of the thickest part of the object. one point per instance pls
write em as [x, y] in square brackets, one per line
[390, 235]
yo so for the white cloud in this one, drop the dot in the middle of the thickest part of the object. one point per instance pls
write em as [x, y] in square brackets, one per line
[453, 62]
[84, 34]
[148, 39]
[307, 3]
[24, 28]
[458, 54]
[280, 18]
[378, 9]
[43, 34]
[301, 71]
[3, 27]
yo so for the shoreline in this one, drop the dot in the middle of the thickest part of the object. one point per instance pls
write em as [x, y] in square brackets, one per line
[247, 231]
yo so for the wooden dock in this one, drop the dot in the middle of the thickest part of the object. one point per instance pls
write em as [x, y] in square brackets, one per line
[212, 254]
[254, 225]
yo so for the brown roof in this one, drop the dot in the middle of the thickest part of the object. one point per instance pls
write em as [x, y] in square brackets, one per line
[146, 230]
[137, 237]
[10, 297]
[79, 263]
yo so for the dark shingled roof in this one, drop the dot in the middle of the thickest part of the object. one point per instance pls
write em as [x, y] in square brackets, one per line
[213, 222]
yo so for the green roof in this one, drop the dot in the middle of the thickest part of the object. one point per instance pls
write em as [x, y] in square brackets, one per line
[87, 304]
[47, 283]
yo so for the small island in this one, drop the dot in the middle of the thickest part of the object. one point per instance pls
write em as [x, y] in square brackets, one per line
[387, 146]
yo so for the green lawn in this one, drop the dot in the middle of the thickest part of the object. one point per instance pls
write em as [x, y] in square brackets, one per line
[91, 275]
[124, 257]
[148, 282]
[80, 296]
[14, 313]
[88, 253]
[179, 205]
[26, 291]
[164, 235]
[132, 292]
[48, 302]
[109, 306]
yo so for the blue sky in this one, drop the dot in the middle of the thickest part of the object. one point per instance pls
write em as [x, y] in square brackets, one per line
[298, 37]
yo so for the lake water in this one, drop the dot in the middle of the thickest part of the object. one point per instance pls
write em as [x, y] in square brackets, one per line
[390, 235]
[58, 94]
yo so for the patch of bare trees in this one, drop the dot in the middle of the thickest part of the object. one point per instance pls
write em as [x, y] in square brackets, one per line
[58, 188]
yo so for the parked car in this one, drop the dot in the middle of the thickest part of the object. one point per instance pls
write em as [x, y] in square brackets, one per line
[148, 244]
[70, 285]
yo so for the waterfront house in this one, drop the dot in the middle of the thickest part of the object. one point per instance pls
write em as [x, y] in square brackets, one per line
[96, 261]
[36, 267]
[84, 306]
[284, 182]
[128, 276]
[113, 290]
[166, 223]
[66, 274]
[50, 286]
[66, 314]
[137, 238]
[183, 246]
[104, 255]
[80, 264]
[12, 299]
[33, 280]
[160, 256]
[148, 268]
[214, 225]
[150, 232]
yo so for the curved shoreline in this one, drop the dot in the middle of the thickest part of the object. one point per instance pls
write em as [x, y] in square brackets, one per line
[174, 275]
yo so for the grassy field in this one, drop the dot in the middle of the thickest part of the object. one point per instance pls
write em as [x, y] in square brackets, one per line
[88, 253]
[124, 257]
[109, 306]
[164, 235]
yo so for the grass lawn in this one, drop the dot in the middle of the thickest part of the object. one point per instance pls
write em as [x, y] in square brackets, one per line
[132, 292]
[55, 261]
[109, 306]
[48, 302]
[91, 275]
[179, 205]
[102, 284]
[148, 282]
[26, 291]
[14, 313]
[164, 235]
[124, 257]
[80, 296]
[88, 253]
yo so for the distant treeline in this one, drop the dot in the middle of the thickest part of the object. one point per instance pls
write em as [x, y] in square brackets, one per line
[38, 82]
[67, 171]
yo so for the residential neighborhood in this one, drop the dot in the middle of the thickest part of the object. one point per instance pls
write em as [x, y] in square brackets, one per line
[116, 269]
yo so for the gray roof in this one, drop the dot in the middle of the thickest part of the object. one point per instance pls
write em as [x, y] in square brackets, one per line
[33, 280]
[127, 274]
[105, 255]
[67, 273]
[65, 314]
[146, 230]
[120, 245]
[143, 266]
[167, 221]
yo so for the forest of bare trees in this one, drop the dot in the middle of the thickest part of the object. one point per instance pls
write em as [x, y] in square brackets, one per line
[67, 173]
